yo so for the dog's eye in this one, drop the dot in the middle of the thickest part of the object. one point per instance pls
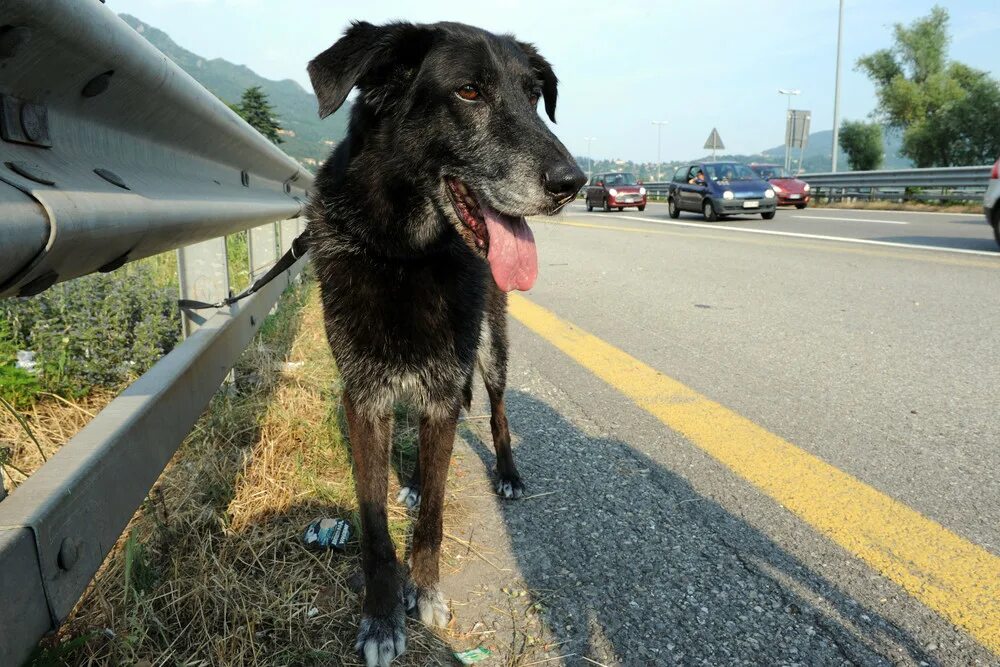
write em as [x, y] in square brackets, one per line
[468, 92]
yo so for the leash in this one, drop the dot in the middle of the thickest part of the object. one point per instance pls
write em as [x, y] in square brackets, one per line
[292, 255]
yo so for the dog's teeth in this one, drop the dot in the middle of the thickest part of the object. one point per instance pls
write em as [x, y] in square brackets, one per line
[461, 187]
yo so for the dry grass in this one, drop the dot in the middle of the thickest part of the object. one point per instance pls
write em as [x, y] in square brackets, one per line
[52, 421]
[902, 206]
[211, 570]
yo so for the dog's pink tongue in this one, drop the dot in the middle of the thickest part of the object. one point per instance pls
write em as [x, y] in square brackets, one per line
[512, 255]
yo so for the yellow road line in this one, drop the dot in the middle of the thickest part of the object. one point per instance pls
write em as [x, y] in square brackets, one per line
[946, 572]
[920, 254]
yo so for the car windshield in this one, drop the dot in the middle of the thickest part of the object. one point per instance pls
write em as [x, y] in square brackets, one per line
[730, 171]
[612, 180]
[767, 171]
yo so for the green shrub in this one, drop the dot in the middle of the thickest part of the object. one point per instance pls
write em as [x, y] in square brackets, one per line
[17, 385]
[99, 330]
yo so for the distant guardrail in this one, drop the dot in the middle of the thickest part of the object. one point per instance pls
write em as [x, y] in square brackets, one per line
[933, 184]
[109, 153]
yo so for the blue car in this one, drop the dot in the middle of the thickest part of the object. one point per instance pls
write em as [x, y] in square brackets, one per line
[717, 189]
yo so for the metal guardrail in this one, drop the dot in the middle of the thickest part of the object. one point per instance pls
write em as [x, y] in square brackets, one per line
[657, 189]
[936, 177]
[953, 183]
[114, 153]
[110, 153]
[933, 184]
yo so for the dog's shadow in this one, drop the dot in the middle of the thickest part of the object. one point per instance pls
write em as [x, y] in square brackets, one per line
[633, 566]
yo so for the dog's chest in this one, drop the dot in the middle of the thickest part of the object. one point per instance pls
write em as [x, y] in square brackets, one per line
[402, 317]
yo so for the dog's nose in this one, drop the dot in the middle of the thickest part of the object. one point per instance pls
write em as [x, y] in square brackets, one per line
[563, 179]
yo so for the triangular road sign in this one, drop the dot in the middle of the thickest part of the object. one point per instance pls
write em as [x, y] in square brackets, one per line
[714, 141]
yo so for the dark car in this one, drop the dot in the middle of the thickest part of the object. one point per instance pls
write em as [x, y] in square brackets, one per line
[615, 190]
[791, 191]
[716, 189]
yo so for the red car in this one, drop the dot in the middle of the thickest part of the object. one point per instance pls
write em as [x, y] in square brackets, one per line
[790, 191]
[615, 190]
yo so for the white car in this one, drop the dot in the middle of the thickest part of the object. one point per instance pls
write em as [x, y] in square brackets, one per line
[990, 201]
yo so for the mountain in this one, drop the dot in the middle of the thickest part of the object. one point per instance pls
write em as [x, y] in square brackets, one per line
[816, 157]
[306, 138]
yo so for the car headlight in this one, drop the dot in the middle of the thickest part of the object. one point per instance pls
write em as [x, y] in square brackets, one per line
[805, 188]
[613, 192]
[769, 194]
[642, 191]
[728, 194]
[776, 189]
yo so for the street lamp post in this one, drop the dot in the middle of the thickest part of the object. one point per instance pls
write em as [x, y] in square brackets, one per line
[590, 159]
[789, 92]
[835, 149]
[659, 163]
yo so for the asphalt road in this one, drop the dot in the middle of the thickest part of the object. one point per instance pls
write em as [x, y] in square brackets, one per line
[942, 230]
[876, 367]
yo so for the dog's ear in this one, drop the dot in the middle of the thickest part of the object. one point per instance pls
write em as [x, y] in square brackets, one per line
[544, 71]
[366, 56]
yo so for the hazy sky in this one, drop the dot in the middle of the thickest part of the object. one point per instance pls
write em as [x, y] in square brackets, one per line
[621, 64]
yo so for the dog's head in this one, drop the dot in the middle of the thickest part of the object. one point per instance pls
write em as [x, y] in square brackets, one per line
[454, 111]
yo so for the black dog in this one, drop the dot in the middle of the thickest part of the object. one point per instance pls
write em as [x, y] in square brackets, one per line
[424, 200]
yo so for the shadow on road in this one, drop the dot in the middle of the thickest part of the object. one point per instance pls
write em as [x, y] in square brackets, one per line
[632, 566]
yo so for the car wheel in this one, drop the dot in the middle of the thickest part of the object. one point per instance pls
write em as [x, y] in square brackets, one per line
[607, 209]
[996, 227]
[590, 207]
[621, 208]
[768, 216]
[709, 211]
[642, 208]
[800, 206]
[672, 208]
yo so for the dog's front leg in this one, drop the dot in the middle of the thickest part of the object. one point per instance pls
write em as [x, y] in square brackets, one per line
[382, 635]
[437, 436]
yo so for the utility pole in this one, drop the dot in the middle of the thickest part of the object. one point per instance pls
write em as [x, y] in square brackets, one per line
[659, 163]
[789, 92]
[836, 92]
[590, 158]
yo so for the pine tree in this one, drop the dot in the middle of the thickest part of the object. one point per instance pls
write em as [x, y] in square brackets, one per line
[255, 109]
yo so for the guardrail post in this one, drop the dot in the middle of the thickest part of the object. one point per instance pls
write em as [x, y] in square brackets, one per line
[24, 614]
[262, 245]
[289, 230]
[203, 270]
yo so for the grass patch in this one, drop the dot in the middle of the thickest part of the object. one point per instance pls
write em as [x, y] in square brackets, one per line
[90, 337]
[238, 260]
[52, 420]
[95, 331]
[882, 205]
[211, 570]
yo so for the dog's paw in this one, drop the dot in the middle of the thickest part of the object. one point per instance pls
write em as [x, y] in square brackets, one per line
[431, 608]
[510, 488]
[409, 496]
[380, 639]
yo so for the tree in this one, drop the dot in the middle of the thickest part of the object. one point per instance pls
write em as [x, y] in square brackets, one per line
[947, 111]
[862, 142]
[255, 109]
